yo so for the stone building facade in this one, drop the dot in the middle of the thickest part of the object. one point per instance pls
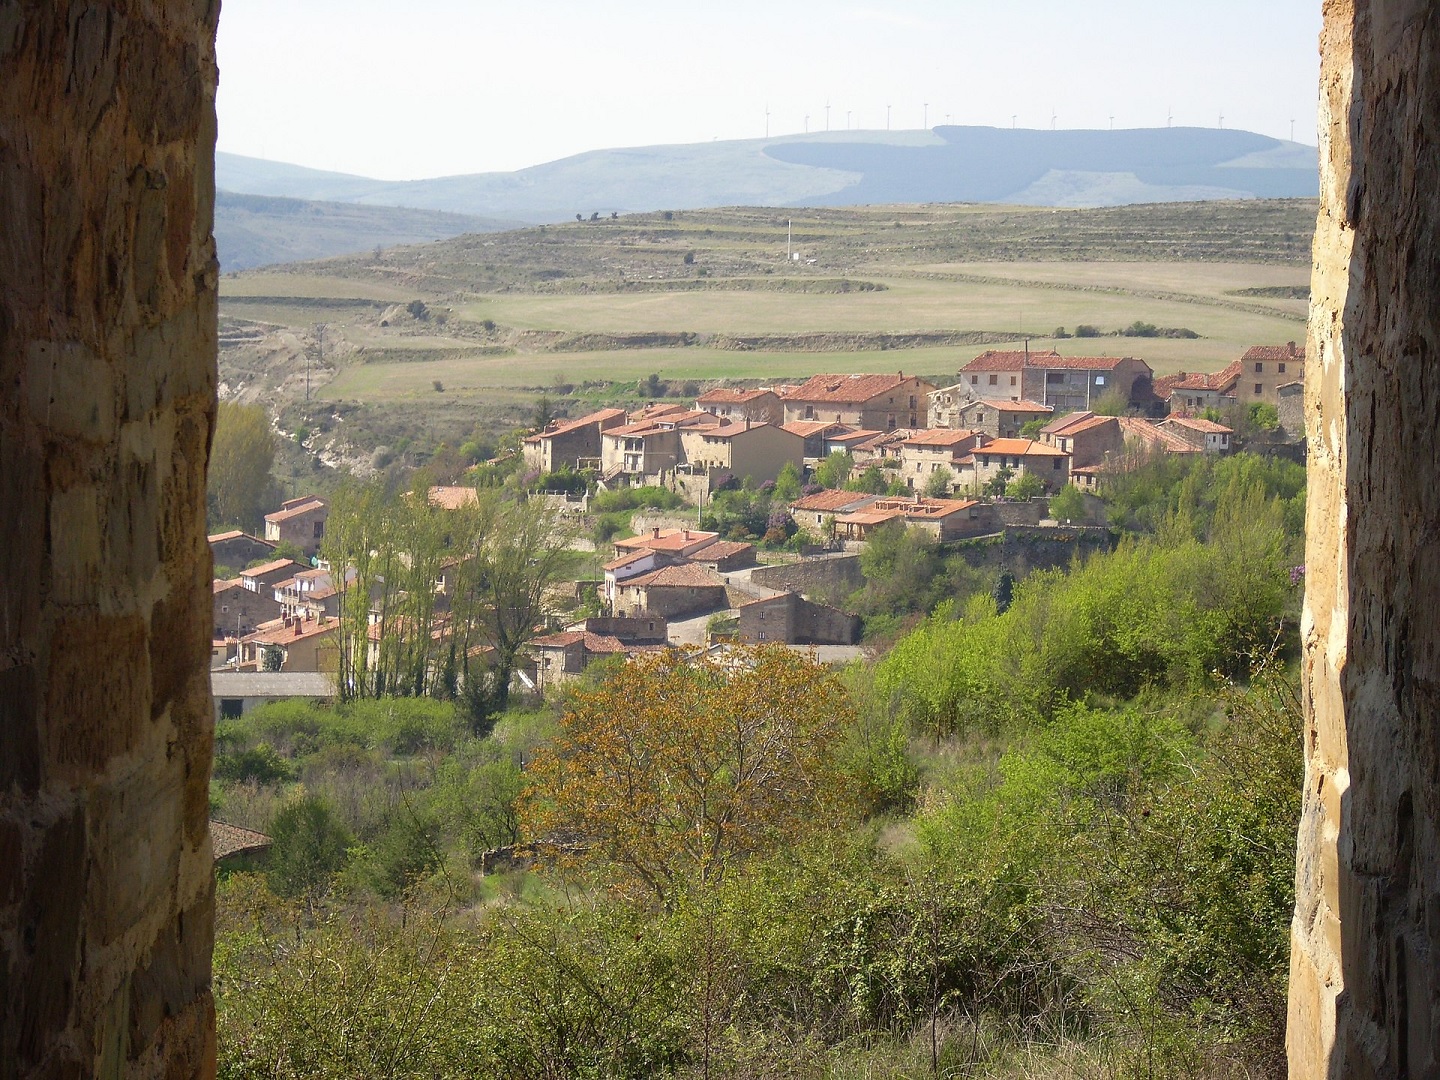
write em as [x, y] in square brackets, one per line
[108, 281]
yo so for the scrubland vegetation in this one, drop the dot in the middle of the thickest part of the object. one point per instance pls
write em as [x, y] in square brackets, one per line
[1049, 833]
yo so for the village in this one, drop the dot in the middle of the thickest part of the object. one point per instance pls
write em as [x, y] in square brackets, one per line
[982, 457]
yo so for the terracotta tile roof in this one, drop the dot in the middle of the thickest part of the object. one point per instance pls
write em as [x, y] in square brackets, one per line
[1089, 423]
[1020, 448]
[767, 599]
[845, 389]
[722, 549]
[853, 436]
[640, 429]
[684, 574]
[453, 498]
[669, 540]
[231, 535]
[1077, 363]
[869, 517]
[627, 559]
[830, 500]
[271, 567]
[227, 840]
[289, 631]
[723, 395]
[1150, 433]
[1288, 351]
[1003, 360]
[1195, 423]
[887, 438]
[924, 509]
[806, 428]
[941, 437]
[1061, 425]
[296, 510]
[1006, 405]
[654, 410]
[1219, 381]
[728, 429]
[565, 427]
[220, 585]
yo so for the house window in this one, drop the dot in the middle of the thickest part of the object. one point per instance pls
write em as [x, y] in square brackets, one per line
[809, 412]
[1281, 369]
[1012, 380]
[319, 529]
[231, 708]
[980, 417]
[224, 609]
[1259, 389]
[762, 634]
[1054, 378]
[1055, 464]
[1099, 380]
[974, 380]
[994, 379]
[1259, 367]
[912, 396]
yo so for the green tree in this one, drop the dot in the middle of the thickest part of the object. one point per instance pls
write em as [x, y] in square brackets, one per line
[310, 846]
[787, 483]
[834, 470]
[937, 485]
[1069, 505]
[239, 482]
[997, 484]
[1025, 486]
[872, 481]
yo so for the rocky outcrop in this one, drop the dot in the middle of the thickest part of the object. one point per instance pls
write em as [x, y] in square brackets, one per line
[1365, 963]
[107, 382]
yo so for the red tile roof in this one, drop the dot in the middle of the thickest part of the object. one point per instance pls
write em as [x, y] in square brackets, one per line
[270, 567]
[1003, 360]
[231, 535]
[829, 500]
[221, 585]
[724, 395]
[941, 437]
[722, 549]
[1218, 381]
[296, 510]
[1061, 425]
[626, 560]
[684, 574]
[565, 427]
[846, 389]
[1195, 423]
[288, 631]
[1288, 351]
[855, 435]
[806, 428]
[1078, 363]
[1006, 405]
[669, 540]
[924, 509]
[453, 498]
[1019, 448]
[227, 840]
[1168, 441]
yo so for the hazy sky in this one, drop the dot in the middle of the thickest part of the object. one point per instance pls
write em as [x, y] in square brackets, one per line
[403, 89]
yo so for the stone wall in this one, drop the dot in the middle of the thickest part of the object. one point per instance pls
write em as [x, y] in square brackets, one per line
[831, 573]
[1365, 959]
[107, 376]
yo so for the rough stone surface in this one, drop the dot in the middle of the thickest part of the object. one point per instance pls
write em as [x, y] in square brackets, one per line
[107, 374]
[1365, 959]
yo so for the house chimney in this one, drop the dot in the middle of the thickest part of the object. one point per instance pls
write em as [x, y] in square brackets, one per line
[655, 532]
[687, 534]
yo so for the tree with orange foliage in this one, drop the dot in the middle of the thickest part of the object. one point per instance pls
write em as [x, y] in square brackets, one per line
[681, 764]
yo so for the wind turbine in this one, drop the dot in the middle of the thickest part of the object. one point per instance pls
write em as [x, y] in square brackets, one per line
[767, 120]
[887, 121]
[926, 124]
[1052, 119]
[827, 116]
[807, 123]
[1169, 116]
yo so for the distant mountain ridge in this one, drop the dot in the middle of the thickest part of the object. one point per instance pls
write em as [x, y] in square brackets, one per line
[946, 164]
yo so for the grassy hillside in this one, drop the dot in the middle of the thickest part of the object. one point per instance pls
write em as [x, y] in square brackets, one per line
[258, 230]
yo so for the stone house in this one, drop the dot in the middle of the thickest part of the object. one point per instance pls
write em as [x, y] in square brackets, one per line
[1086, 437]
[266, 576]
[238, 610]
[817, 512]
[926, 453]
[676, 543]
[570, 443]
[1266, 368]
[559, 658]
[304, 644]
[725, 555]
[1019, 456]
[999, 418]
[236, 549]
[882, 402]
[300, 522]
[1193, 392]
[760, 406]
[1079, 382]
[1203, 435]
[233, 848]
[790, 619]
[671, 592]
[846, 438]
[623, 567]
[944, 519]
[756, 450]
[995, 373]
[235, 693]
[817, 436]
